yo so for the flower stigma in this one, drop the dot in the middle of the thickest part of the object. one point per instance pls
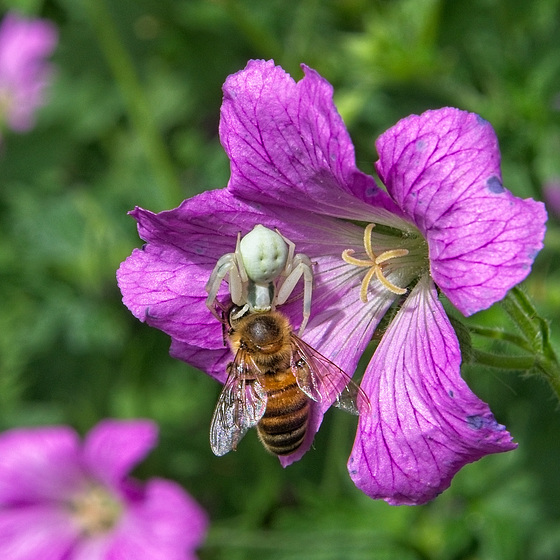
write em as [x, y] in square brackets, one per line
[377, 264]
[96, 510]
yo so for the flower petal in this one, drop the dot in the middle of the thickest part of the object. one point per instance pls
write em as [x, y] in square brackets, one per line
[38, 464]
[33, 532]
[166, 523]
[443, 169]
[24, 74]
[425, 423]
[288, 145]
[212, 362]
[113, 447]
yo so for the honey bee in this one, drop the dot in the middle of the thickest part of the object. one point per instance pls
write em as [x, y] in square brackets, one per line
[271, 382]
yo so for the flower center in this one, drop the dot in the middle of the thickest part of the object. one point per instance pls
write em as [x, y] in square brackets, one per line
[95, 510]
[385, 259]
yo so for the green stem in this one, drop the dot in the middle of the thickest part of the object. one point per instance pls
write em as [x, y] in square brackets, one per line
[520, 309]
[503, 362]
[550, 370]
[535, 330]
[140, 112]
[499, 334]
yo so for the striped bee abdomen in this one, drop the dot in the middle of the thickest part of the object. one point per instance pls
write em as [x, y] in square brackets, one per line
[283, 426]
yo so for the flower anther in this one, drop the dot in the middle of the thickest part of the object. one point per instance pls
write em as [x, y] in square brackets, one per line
[375, 263]
[96, 510]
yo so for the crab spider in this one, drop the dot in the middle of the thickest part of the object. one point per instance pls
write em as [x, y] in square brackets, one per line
[262, 273]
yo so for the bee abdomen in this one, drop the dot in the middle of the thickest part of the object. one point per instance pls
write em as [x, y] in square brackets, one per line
[283, 426]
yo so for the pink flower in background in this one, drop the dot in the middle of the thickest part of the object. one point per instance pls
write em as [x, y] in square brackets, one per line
[63, 500]
[24, 72]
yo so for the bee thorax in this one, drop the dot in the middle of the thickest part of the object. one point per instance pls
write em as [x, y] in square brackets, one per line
[266, 334]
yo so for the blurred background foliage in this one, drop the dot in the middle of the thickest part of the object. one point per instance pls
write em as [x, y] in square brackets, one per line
[132, 120]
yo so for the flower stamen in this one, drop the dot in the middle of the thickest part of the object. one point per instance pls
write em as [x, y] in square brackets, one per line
[375, 264]
[95, 510]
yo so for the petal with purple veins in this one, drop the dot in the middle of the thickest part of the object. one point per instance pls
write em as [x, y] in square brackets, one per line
[425, 423]
[288, 145]
[443, 169]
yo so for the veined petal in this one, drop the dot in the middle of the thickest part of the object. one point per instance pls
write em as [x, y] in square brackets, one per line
[157, 287]
[38, 464]
[443, 169]
[36, 531]
[211, 361]
[288, 145]
[425, 423]
[113, 447]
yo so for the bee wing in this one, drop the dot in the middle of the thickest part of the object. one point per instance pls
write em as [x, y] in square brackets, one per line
[322, 380]
[240, 406]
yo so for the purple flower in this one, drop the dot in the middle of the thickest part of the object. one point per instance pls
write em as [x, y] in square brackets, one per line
[445, 219]
[24, 73]
[63, 500]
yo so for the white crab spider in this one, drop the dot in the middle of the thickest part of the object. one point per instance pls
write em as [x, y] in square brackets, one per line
[262, 273]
